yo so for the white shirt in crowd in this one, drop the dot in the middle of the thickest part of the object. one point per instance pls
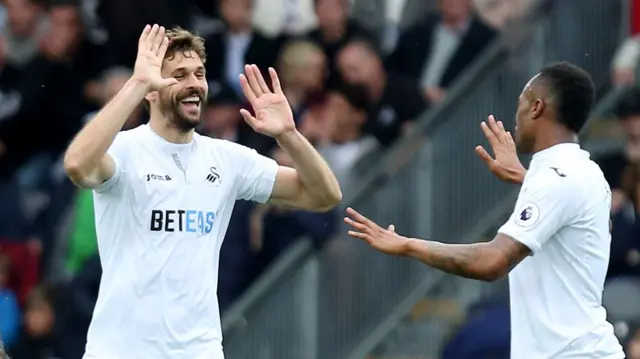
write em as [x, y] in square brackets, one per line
[562, 216]
[160, 222]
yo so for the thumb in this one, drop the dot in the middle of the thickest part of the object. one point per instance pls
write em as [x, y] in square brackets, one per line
[484, 155]
[392, 228]
[168, 82]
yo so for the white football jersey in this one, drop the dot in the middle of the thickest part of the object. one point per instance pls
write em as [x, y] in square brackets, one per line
[562, 216]
[160, 221]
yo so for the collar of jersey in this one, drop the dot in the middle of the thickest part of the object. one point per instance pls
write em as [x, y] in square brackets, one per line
[160, 142]
[561, 149]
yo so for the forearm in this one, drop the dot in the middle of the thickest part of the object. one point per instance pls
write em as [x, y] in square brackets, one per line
[466, 260]
[317, 178]
[92, 142]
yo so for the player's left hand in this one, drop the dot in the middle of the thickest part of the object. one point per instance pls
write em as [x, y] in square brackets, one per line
[384, 240]
[273, 113]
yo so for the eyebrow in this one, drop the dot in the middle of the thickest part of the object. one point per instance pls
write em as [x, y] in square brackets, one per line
[184, 69]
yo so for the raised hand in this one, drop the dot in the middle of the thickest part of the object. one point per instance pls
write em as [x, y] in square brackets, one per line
[152, 47]
[506, 165]
[273, 113]
[384, 240]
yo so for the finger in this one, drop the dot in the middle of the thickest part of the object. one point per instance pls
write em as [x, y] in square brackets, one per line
[358, 235]
[510, 139]
[504, 134]
[360, 218]
[152, 35]
[162, 49]
[261, 82]
[392, 228]
[247, 90]
[144, 35]
[359, 226]
[493, 126]
[157, 40]
[253, 81]
[493, 141]
[275, 81]
[250, 119]
[484, 155]
[169, 82]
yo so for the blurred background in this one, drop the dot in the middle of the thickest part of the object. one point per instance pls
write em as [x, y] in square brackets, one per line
[390, 91]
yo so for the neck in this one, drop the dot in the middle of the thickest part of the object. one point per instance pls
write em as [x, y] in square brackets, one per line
[163, 128]
[555, 138]
[240, 29]
[454, 21]
[346, 135]
[334, 32]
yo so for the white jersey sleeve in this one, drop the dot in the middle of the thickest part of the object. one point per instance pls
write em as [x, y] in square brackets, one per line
[256, 174]
[545, 204]
[119, 152]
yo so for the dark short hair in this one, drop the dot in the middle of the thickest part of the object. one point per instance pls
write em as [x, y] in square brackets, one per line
[573, 91]
[629, 104]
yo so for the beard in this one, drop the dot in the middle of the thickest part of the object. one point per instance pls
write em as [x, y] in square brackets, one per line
[178, 116]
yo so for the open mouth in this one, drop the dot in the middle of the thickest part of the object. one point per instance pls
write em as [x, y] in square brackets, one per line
[191, 103]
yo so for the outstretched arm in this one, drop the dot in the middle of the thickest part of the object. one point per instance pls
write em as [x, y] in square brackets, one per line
[487, 261]
[311, 185]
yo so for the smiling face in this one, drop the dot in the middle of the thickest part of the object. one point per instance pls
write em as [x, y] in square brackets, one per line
[182, 103]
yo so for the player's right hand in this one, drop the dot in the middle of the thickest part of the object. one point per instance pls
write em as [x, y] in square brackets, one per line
[506, 165]
[152, 48]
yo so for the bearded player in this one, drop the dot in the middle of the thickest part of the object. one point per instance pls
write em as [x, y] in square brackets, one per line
[164, 196]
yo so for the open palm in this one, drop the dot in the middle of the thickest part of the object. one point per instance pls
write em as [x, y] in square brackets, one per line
[152, 47]
[273, 115]
[506, 165]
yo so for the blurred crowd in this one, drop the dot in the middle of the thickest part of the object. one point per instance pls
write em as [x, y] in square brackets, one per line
[357, 73]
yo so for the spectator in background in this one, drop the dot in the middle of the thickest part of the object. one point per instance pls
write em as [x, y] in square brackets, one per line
[9, 307]
[283, 17]
[302, 68]
[27, 22]
[346, 114]
[625, 62]
[396, 101]
[37, 340]
[498, 13]
[387, 18]
[237, 44]
[438, 49]
[66, 42]
[335, 29]
[613, 165]
[625, 233]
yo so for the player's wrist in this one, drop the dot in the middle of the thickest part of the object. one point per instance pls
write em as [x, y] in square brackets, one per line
[136, 82]
[288, 136]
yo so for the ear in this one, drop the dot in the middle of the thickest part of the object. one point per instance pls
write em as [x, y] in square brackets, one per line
[537, 108]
